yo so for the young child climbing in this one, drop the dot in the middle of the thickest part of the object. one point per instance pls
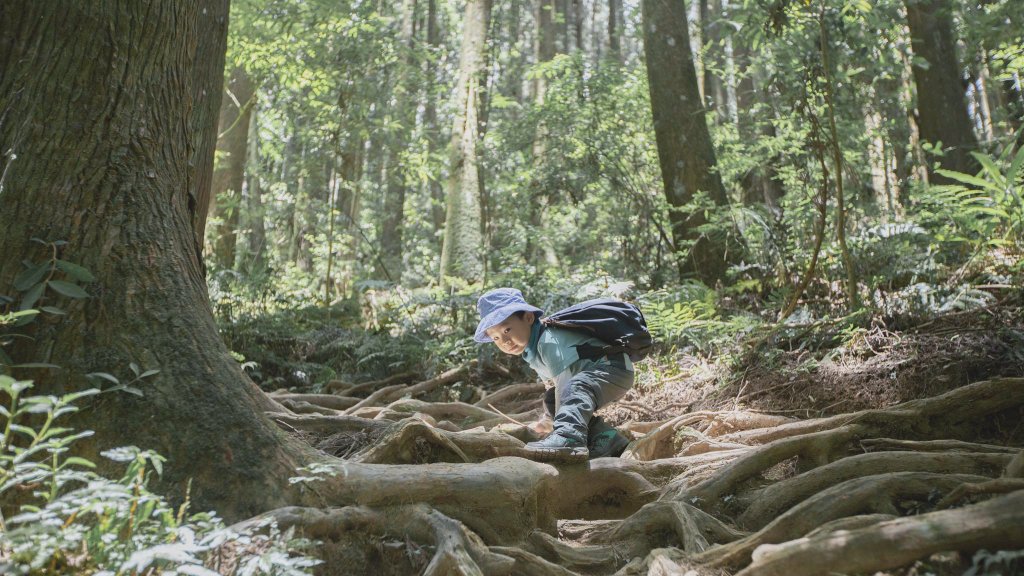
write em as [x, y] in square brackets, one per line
[585, 376]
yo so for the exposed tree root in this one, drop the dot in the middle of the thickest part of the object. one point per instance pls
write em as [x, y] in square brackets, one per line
[998, 486]
[665, 507]
[313, 403]
[347, 389]
[818, 442]
[664, 441]
[413, 441]
[997, 524]
[457, 550]
[768, 502]
[880, 444]
[531, 390]
[394, 392]
[884, 493]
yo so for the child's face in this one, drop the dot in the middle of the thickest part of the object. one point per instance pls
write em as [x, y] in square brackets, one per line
[512, 335]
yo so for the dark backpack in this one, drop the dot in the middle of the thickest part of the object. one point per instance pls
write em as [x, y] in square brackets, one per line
[620, 324]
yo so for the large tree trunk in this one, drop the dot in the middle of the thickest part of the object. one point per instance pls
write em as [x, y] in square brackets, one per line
[941, 105]
[103, 163]
[684, 144]
[208, 82]
[229, 175]
[462, 253]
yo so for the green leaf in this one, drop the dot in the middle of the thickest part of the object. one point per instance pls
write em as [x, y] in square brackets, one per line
[36, 365]
[1015, 166]
[75, 271]
[993, 171]
[103, 375]
[68, 289]
[135, 368]
[53, 310]
[27, 431]
[32, 296]
[30, 276]
[971, 180]
[133, 390]
[67, 398]
[79, 461]
[149, 373]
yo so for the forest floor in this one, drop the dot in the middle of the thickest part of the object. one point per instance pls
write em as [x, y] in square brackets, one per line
[757, 449]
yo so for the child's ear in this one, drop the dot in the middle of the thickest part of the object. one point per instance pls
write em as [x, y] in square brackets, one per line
[529, 317]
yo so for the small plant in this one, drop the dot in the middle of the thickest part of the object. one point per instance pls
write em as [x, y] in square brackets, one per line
[51, 276]
[76, 521]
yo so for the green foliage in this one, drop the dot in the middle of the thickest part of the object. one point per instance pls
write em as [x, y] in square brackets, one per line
[50, 279]
[74, 520]
[998, 563]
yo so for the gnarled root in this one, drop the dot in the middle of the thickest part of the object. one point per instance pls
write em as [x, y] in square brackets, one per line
[883, 493]
[997, 524]
[413, 441]
[661, 524]
[456, 550]
[768, 502]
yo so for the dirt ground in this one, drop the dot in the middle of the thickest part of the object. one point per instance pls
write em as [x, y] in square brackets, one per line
[879, 368]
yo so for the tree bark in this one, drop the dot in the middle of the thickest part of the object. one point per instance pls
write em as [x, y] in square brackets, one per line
[437, 201]
[103, 163]
[229, 174]
[404, 118]
[255, 258]
[462, 253]
[209, 85]
[684, 144]
[614, 30]
[941, 104]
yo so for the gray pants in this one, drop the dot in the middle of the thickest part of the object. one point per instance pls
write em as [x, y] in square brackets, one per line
[593, 384]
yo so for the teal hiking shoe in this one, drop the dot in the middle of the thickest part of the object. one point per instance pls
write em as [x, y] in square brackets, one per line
[607, 444]
[603, 440]
[557, 448]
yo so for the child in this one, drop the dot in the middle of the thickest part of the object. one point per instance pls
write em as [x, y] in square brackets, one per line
[584, 379]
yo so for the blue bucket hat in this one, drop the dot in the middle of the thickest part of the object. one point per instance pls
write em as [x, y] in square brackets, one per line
[496, 306]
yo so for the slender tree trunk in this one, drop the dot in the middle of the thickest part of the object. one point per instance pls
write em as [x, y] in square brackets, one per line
[462, 253]
[103, 164]
[229, 174]
[714, 90]
[437, 202]
[754, 114]
[404, 116]
[257, 233]
[941, 106]
[1015, 105]
[545, 49]
[615, 30]
[684, 144]
[577, 16]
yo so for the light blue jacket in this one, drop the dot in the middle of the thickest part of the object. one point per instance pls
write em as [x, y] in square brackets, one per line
[552, 353]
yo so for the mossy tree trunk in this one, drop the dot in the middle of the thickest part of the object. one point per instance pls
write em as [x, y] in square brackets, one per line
[229, 173]
[104, 97]
[684, 144]
[941, 103]
[462, 252]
